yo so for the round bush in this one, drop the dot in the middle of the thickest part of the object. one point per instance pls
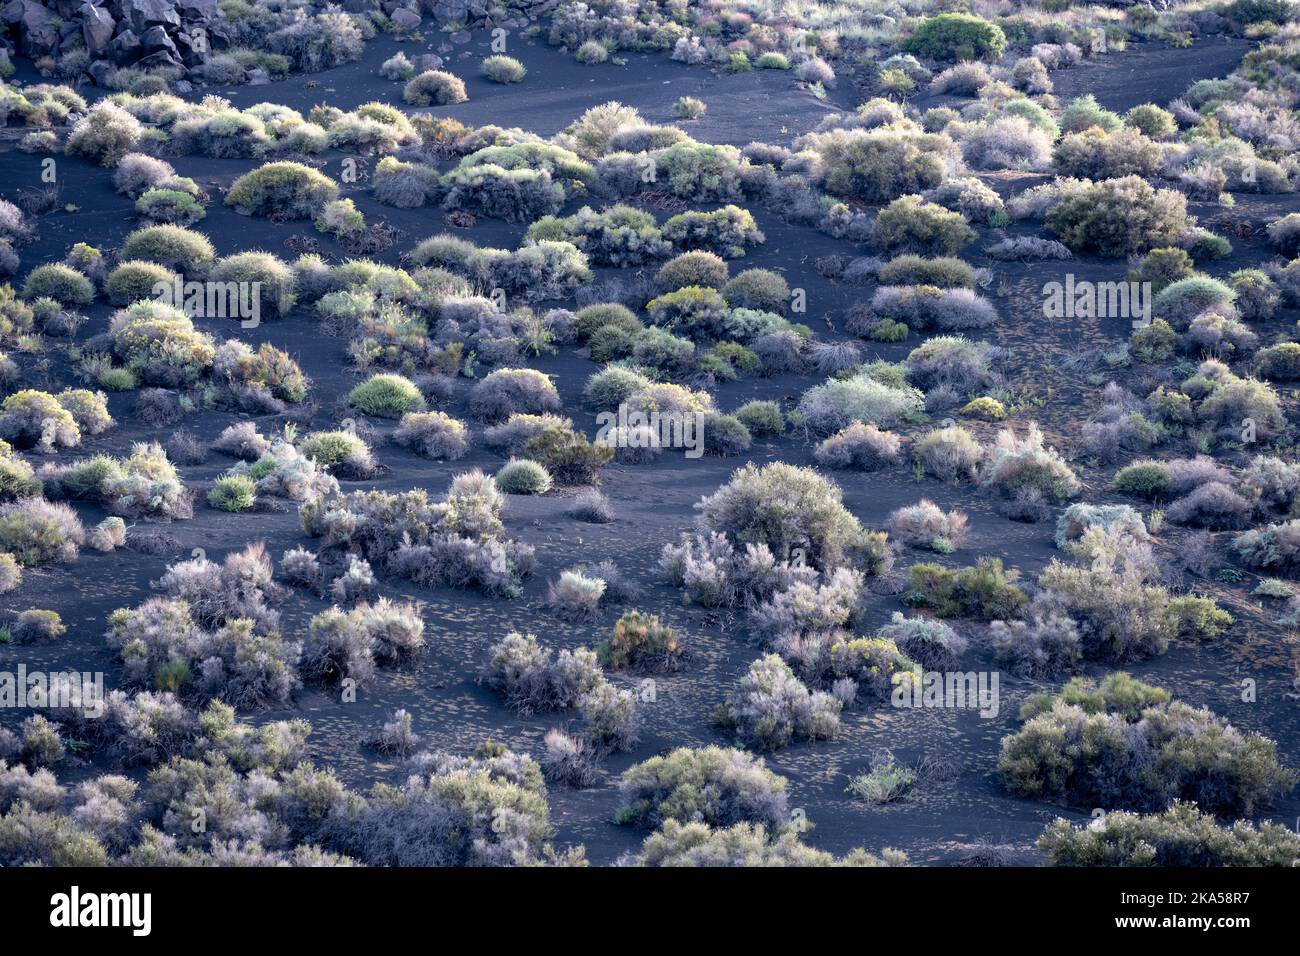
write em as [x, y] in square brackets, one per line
[62, 283]
[387, 396]
[698, 268]
[179, 249]
[523, 476]
[135, 280]
[909, 224]
[952, 37]
[503, 69]
[435, 87]
[1119, 217]
[757, 289]
[278, 279]
[282, 189]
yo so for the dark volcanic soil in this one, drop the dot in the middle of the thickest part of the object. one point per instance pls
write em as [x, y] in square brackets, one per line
[654, 503]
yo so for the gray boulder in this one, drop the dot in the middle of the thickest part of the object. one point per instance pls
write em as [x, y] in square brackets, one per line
[97, 28]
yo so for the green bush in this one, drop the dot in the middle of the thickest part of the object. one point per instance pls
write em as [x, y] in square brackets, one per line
[986, 591]
[909, 224]
[62, 283]
[434, 87]
[522, 476]
[387, 396]
[1119, 217]
[951, 37]
[233, 493]
[503, 69]
[640, 642]
[175, 247]
[943, 272]
[762, 418]
[697, 268]
[283, 189]
[1126, 745]
[1181, 836]
[135, 280]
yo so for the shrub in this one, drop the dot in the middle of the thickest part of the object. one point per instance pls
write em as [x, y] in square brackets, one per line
[109, 534]
[1274, 547]
[1181, 301]
[1163, 267]
[1181, 836]
[985, 591]
[761, 418]
[36, 532]
[641, 642]
[33, 625]
[720, 787]
[434, 87]
[1152, 121]
[387, 396]
[950, 454]
[534, 679]
[943, 272]
[1007, 142]
[105, 134]
[1078, 518]
[30, 417]
[1047, 645]
[1284, 234]
[1279, 363]
[65, 285]
[1084, 112]
[956, 36]
[522, 476]
[1125, 745]
[691, 311]
[1016, 463]
[341, 453]
[925, 525]
[233, 493]
[932, 644]
[576, 596]
[785, 508]
[696, 268]
[759, 289]
[860, 446]
[135, 280]
[278, 280]
[590, 52]
[137, 173]
[837, 403]
[728, 231]
[771, 706]
[1118, 217]
[433, 435]
[503, 69]
[284, 189]
[909, 224]
[1093, 154]
[174, 247]
[510, 391]
[877, 165]
[1143, 479]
